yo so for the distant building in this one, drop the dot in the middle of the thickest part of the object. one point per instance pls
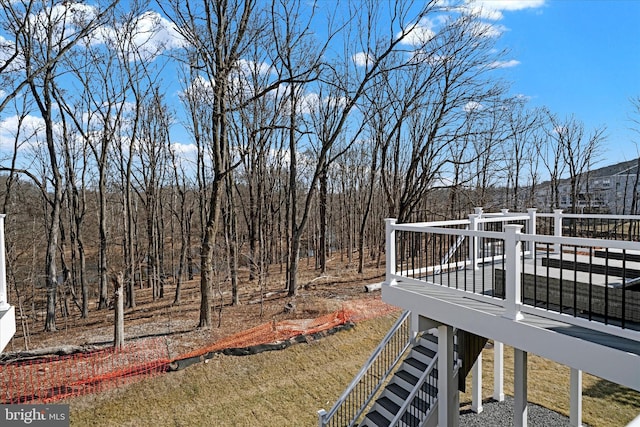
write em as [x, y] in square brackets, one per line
[613, 189]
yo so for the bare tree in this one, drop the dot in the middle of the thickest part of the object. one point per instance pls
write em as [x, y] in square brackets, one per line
[24, 29]
[42, 40]
[218, 32]
[579, 152]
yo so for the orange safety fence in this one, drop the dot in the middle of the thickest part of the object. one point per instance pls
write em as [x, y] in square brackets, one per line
[49, 379]
[267, 333]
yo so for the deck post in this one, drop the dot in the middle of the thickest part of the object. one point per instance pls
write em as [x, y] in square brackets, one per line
[513, 267]
[4, 302]
[557, 228]
[447, 386]
[519, 388]
[391, 251]
[531, 229]
[473, 243]
[575, 418]
[414, 326]
[476, 385]
[498, 371]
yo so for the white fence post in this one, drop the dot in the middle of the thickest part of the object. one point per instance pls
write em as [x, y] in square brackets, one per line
[498, 371]
[557, 228]
[476, 385]
[4, 303]
[473, 242]
[531, 229]
[391, 250]
[513, 267]
[575, 406]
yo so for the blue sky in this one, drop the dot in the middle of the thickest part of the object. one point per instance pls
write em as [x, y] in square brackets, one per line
[581, 58]
[575, 57]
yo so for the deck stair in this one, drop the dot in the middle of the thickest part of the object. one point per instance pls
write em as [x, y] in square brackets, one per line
[410, 397]
[407, 379]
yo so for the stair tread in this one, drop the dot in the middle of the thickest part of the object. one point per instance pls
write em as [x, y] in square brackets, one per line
[378, 419]
[430, 389]
[424, 350]
[398, 391]
[393, 408]
[389, 405]
[410, 419]
[411, 379]
[416, 363]
[430, 337]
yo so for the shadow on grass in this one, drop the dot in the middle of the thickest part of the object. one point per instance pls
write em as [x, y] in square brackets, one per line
[604, 389]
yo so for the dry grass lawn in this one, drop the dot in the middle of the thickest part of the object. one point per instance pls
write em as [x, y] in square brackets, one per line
[286, 388]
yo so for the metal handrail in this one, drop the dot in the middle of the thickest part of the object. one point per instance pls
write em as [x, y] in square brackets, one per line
[325, 417]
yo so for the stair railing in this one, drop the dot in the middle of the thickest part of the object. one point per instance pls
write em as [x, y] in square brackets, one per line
[430, 378]
[429, 375]
[366, 384]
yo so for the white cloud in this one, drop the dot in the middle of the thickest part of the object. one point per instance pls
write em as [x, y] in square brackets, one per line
[504, 64]
[154, 34]
[512, 4]
[486, 29]
[492, 9]
[362, 59]
[184, 149]
[473, 106]
[249, 67]
[30, 131]
[420, 34]
[65, 18]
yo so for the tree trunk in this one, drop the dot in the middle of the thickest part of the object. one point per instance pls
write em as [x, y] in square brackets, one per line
[102, 194]
[118, 300]
[206, 255]
[322, 246]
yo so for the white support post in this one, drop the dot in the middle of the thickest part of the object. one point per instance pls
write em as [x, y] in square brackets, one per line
[498, 371]
[513, 267]
[446, 384]
[473, 242]
[575, 418]
[519, 388]
[476, 385]
[531, 229]
[414, 325]
[4, 301]
[557, 228]
[391, 251]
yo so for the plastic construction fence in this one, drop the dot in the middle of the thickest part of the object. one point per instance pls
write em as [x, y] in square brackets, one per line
[53, 378]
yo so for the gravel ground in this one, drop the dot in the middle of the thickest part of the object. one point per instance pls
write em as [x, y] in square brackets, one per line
[500, 414]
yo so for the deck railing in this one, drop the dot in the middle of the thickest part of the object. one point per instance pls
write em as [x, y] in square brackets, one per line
[499, 257]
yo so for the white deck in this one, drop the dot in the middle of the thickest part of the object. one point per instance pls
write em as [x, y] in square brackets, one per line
[605, 355]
